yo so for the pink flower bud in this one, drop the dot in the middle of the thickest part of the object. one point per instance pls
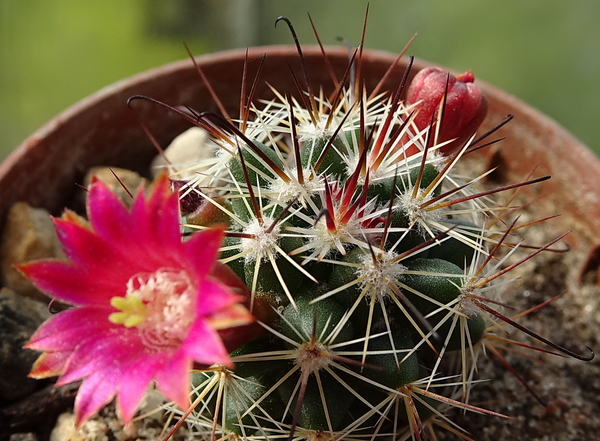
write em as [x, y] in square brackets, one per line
[465, 108]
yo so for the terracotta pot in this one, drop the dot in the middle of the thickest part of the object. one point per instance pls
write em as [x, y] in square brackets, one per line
[103, 130]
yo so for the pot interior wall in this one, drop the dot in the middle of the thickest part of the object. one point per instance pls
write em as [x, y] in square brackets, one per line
[103, 130]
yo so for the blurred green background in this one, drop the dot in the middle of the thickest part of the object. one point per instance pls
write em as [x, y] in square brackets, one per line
[55, 52]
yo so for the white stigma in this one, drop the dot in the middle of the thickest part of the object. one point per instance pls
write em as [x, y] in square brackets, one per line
[168, 296]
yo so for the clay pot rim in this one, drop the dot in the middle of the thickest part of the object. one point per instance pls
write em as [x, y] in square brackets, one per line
[253, 52]
[578, 153]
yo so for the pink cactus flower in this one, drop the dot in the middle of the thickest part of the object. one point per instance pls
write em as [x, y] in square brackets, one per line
[146, 305]
[465, 109]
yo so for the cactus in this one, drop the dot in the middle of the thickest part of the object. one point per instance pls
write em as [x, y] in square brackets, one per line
[373, 265]
[359, 278]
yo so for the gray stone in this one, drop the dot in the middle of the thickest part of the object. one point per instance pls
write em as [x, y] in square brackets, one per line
[19, 318]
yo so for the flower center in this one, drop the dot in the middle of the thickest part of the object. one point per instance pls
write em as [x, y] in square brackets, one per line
[159, 305]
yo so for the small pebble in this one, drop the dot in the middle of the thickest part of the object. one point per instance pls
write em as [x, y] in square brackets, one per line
[127, 183]
[23, 437]
[28, 235]
[186, 150]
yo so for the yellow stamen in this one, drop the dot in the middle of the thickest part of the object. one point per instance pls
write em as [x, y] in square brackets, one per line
[132, 311]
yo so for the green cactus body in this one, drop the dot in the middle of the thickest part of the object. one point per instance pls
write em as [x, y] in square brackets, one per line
[355, 318]
[333, 159]
[459, 251]
[475, 326]
[373, 293]
[324, 316]
[390, 363]
[324, 404]
[431, 282]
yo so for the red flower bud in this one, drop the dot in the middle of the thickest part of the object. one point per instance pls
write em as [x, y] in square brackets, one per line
[465, 108]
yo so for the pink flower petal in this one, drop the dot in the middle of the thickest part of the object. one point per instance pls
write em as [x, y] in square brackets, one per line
[204, 345]
[49, 364]
[85, 248]
[70, 284]
[162, 213]
[95, 392]
[202, 250]
[134, 384]
[108, 216]
[173, 380]
[156, 221]
[130, 231]
[69, 328]
[214, 296]
[103, 352]
[232, 317]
